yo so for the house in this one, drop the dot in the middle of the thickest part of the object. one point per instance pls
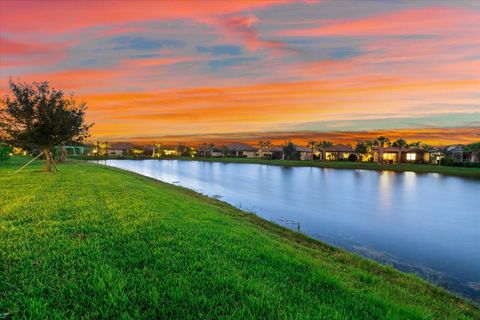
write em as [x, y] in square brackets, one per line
[265, 153]
[336, 152]
[460, 153]
[210, 152]
[407, 155]
[241, 150]
[148, 150]
[121, 148]
[304, 153]
[277, 153]
[77, 150]
[216, 152]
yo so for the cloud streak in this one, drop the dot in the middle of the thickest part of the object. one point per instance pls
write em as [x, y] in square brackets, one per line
[189, 68]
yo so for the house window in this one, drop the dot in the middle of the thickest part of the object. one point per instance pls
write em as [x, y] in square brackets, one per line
[389, 156]
[411, 156]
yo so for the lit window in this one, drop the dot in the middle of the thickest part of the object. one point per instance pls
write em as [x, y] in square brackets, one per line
[411, 156]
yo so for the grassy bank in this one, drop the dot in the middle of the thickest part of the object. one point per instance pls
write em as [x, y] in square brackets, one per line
[97, 242]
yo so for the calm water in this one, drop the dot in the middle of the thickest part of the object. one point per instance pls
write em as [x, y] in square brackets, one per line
[428, 224]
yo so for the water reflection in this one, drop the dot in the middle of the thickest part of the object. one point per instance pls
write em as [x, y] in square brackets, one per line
[422, 223]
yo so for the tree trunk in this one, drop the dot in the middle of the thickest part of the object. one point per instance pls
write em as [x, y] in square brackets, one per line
[399, 160]
[62, 154]
[48, 159]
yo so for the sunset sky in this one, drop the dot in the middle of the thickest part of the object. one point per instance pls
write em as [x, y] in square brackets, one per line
[242, 71]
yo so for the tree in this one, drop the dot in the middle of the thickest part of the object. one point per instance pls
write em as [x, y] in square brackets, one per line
[183, 150]
[224, 150]
[203, 149]
[322, 146]
[313, 146]
[475, 149]
[101, 148]
[361, 148]
[400, 144]
[290, 150]
[352, 157]
[5, 151]
[211, 146]
[265, 146]
[416, 144]
[156, 150]
[37, 116]
[381, 142]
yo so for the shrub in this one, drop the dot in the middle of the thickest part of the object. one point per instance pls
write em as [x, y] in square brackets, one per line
[352, 157]
[447, 161]
[5, 151]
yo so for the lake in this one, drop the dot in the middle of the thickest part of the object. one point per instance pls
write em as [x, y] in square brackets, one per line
[426, 224]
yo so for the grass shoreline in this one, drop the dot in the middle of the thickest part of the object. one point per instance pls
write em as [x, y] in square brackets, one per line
[259, 269]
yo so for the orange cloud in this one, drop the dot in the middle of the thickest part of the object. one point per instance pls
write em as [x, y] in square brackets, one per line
[433, 136]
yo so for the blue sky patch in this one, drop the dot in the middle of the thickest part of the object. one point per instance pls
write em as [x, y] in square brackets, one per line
[220, 50]
[142, 43]
[229, 62]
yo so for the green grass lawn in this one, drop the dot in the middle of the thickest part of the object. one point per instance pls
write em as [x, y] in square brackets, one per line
[94, 242]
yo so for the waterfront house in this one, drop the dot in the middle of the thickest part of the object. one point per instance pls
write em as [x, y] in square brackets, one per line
[121, 149]
[77, 150]
[241, 150]
[460, 153]
[304, 153]
[336, 152]
[148, 150]
[277, 153]
[209, 152]
[407, 155]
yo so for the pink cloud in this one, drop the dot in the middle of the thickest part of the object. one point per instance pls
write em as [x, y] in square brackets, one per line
[242, 27]
[60, 16]
[14, 53]
[422, 21]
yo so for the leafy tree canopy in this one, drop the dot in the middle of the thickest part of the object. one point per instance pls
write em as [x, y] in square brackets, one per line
[35, 115]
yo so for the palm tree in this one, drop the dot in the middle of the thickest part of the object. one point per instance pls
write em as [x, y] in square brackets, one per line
[313, 146]
[475, 149]
[203, 149]
[400, 144]
[380, 143]
[157, 147]
[290, 150]
[265, 147]
[361, 148]
[260, 145]
[211, 146]
[324, 145]
[224, 150]
[417, 144]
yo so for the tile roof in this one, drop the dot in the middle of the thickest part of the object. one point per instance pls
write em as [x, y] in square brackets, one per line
[240, 147]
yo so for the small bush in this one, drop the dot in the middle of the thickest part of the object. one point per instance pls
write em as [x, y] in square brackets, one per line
[5, 151]
[454, 163]
[352, 157]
